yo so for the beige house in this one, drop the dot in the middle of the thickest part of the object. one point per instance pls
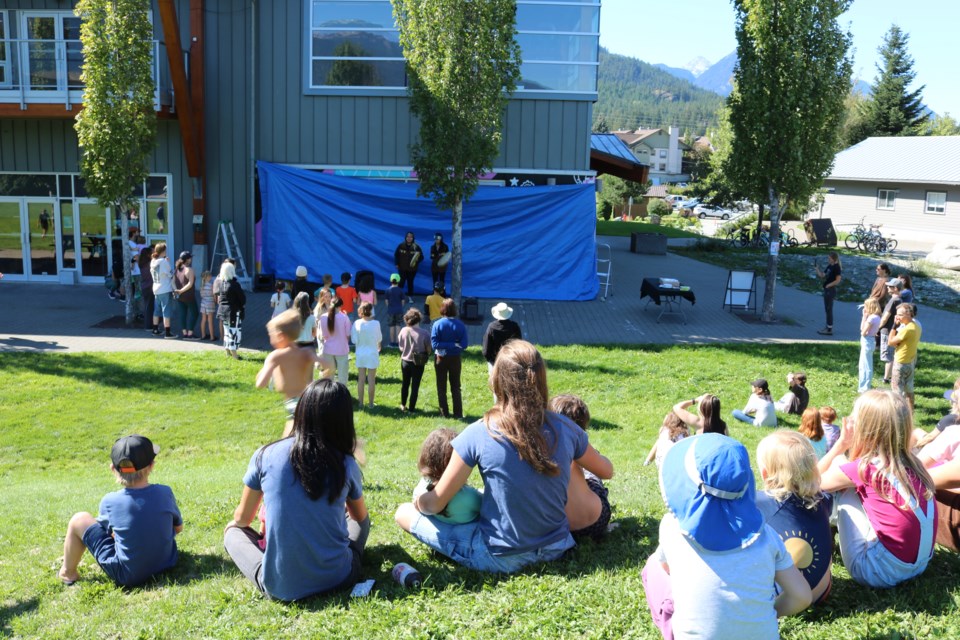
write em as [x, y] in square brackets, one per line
[910, 185]
[661, 150]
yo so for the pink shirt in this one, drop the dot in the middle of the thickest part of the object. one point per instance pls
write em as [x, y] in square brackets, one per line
[338, 342]
[897, 527]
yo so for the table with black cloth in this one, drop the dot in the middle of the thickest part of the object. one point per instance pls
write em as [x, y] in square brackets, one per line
[671, 296]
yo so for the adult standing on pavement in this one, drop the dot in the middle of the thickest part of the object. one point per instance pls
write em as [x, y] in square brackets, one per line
[831, 278]
[438, 252]
[886, 324]
[162, 275]
[407, 257]
[905, 336]
[448, 337]
[185, 281]
[230, 306]
[499, 332]
[146, 286]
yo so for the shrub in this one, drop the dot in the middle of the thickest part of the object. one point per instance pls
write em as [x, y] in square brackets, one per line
[749, 220]
[604, 209]
[678, 221]
[659, 207]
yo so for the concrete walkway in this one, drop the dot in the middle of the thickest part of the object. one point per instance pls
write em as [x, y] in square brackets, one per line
[60, 318]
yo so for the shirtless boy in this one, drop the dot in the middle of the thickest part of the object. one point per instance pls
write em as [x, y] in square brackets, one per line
[289, 366]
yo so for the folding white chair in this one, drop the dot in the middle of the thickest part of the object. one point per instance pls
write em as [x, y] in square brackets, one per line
[604, 268]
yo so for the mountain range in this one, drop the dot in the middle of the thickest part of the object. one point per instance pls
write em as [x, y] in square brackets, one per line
[717, 77]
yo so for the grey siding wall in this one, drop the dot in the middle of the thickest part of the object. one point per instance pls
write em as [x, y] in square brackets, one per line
[852, 201]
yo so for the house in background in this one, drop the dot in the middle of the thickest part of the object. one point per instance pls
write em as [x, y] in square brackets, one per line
[910, 185]
[661, 150]
[317, 84]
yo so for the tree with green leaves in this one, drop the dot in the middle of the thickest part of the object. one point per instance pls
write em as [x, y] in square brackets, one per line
[118, 123]
[943, 125]
[786, 108]
[618, 192]
[463, 62]
[893, 110]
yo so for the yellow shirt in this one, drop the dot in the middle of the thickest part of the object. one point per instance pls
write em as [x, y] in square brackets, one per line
[909, 335]
[433, 304]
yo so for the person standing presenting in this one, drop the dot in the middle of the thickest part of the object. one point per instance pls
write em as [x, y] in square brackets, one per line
[831, 278]
[438, 250]
[905, 336]
[407, 257]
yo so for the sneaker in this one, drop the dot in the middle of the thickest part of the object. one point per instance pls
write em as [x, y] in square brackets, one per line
[191, 337]
[155, 331]
[827, 331]
[169, 336]
[111, 295]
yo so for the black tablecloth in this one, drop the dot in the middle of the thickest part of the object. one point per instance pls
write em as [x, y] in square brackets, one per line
[651, 287]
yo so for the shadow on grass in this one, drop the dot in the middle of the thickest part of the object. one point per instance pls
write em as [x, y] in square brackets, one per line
[91, 367]
[9, 612]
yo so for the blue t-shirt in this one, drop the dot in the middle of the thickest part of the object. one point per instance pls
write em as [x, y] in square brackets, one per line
[446, 334]
[395, 299]
[521, 509]
[805, 532]
[142, 522]
[306, 550]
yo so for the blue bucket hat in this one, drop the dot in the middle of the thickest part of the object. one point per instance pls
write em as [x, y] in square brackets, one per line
[707, 484]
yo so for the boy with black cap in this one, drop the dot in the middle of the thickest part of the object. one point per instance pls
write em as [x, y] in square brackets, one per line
[133, 537]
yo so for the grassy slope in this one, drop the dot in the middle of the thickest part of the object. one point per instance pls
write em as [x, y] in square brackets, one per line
[59, 414]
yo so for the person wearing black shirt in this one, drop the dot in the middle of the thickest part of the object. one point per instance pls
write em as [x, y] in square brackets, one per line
[437, 250]
[499, 332]
[407, 257]
[831, 278]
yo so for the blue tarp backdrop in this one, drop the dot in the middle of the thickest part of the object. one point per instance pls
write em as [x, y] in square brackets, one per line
[518, 242]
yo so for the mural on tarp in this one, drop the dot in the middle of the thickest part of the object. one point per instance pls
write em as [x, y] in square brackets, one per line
[534, 243]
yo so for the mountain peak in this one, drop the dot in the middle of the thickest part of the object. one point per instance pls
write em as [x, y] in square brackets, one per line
[697, 66]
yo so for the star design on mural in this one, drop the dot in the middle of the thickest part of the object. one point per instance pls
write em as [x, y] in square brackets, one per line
[514, 181]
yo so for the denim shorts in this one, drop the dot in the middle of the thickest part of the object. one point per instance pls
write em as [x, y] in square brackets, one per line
[103, 548]
[464, 544]
[163, 305]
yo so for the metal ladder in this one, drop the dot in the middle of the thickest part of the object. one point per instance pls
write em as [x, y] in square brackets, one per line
[227, 246]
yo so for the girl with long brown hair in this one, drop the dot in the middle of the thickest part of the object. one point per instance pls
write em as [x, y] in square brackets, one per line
[524, 453]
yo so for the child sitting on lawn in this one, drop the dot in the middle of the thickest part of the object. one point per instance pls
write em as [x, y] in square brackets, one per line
[713, 574]
[791, 502]
[435, 454]
[133, 536]
[588, 510]
[288, 366]
[759, 411]
[795, 400]
[828, 420]
[672, 431]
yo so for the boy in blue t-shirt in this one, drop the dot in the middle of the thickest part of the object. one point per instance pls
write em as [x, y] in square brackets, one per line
[133, 537]
[396, 298]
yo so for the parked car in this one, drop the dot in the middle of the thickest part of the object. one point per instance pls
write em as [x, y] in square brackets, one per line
[713, 211]
[686, 204]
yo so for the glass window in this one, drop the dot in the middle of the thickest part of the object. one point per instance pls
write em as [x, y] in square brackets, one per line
[22, 184]
[936, 202]
[562, 17]
[5, 78]
[887, 199]
[663, 153]
[550, 47]
[557, 77]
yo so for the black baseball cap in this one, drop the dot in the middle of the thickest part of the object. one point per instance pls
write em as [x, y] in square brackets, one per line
[133, 453]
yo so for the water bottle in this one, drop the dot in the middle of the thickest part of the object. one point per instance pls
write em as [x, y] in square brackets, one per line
[407, 576]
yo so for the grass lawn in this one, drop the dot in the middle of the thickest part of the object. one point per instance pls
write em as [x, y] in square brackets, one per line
[59, 415]
[621, 228]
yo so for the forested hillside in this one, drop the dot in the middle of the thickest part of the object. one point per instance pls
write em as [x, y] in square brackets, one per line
[634, 94]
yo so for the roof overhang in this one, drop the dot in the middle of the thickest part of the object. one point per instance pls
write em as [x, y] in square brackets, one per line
[616, 166]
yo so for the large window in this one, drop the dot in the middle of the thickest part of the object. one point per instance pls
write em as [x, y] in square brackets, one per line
[936, 202]
[887, 199]
[356, 43]
[4, 50]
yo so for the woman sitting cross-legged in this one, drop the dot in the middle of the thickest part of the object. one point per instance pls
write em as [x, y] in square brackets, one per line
[316, 519]
[524, 453]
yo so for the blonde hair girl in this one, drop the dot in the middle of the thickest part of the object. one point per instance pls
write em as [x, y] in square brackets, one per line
[792, 503]
[869, 326]
[897, 493]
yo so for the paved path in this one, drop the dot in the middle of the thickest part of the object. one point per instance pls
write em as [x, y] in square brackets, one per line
[58, 318]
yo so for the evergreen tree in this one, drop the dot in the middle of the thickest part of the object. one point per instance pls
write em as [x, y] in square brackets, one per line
[894, 110]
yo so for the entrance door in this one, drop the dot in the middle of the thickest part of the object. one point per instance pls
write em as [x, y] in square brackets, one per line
[94, 249]
[29, 237]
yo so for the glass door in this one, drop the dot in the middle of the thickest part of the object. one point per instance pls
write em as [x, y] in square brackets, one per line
[43, 237]
[54, 52]
[11, 238]
[68, 237]
[93, 249]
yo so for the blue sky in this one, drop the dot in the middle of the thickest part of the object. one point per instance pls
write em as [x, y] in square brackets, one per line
[677, 31]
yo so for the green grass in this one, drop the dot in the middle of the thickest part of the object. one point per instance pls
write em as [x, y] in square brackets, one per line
[59, 414]
[621, 228]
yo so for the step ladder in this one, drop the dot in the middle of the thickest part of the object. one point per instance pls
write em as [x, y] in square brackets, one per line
[227, 246]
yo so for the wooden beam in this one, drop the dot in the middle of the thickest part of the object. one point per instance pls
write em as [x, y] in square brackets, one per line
[181, 91]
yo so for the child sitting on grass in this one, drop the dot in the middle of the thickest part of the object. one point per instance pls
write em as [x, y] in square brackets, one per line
[795, 400]
[672, 431]
[288, 366]
[133, 536]
[588, 510]
[435, 455]
[811, 427]
[760, 411]
[713, 574]
[792, 503]
[828, 420]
